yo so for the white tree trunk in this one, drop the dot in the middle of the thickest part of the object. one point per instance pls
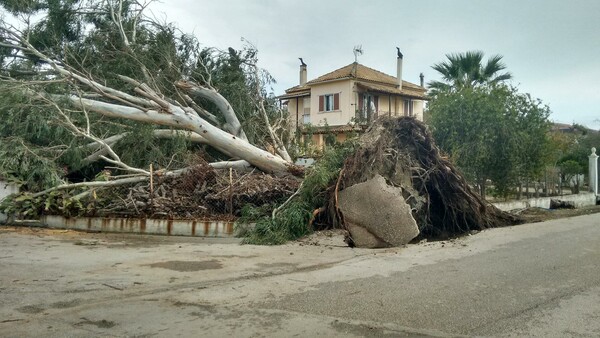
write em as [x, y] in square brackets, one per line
[158, 133]
[232, 125]
[151, 107]
[180, 119]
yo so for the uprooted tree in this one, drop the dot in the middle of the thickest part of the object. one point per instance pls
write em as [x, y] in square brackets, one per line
[95, 94]
[94, 85]
[401, 156]
[403, 152]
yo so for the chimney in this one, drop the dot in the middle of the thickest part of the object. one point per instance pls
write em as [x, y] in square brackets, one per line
[422, 77]
[399, 69]
[302, 72]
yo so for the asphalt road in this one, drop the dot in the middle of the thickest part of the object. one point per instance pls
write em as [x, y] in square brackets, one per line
[539, 279]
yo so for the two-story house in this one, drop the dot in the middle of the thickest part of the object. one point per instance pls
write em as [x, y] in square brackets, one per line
[348, 98]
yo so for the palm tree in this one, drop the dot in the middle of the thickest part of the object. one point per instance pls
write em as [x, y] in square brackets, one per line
[466, 70]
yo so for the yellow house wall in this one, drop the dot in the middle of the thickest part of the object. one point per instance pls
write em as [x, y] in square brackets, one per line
[390, 106]
[292, 110]
[341, 137]
[417, 108]
[334, 118]
[348, 102]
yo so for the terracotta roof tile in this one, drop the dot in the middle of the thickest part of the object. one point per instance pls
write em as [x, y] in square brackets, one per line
[361, 72]
[405, 91]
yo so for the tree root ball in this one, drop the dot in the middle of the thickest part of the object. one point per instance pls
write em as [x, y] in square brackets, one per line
[403, 152]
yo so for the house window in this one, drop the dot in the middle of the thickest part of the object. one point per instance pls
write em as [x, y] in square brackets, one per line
[306, 110]
[408, 108]
[329, 102]
[369, 106]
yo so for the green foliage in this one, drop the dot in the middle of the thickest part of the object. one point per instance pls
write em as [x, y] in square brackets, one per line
[28, 165]
[579, 146]
[83, 35]
[232, 74]
[55, 203]
[22, 6]
[289, 224]
[140, 148]
[292, 221]
[466, 70]
[571, 167]
[492, 132]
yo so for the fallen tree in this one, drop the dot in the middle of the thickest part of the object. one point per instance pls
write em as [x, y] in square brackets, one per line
[404, 170]
[94, 70]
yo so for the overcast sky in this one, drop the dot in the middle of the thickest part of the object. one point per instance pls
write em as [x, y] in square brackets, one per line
[552, 47]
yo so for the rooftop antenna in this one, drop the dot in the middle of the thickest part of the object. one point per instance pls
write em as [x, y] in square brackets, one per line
[357, 51]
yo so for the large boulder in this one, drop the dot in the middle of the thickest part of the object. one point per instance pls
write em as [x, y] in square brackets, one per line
[376, 214]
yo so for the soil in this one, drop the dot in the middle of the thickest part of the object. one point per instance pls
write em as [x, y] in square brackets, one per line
[533, 215]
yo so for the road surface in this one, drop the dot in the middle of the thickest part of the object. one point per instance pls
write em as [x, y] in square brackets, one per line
[539, 279]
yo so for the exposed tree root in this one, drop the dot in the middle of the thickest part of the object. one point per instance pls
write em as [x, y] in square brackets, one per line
[402, 150]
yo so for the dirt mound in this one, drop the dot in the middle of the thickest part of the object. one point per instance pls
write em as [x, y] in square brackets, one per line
[402, 150]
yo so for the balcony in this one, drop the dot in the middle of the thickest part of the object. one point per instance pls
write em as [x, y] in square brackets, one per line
[365, 117]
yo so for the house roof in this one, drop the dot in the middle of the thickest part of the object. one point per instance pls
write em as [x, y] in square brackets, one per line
[368, 77]
[562, 127]
[297, 91]
[360, 72]
[393, 90]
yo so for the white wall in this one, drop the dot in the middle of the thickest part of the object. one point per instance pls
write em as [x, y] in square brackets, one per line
[6, 189]
[418, 109]
[580, 200]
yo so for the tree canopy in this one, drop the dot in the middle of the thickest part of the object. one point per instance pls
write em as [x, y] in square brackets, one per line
[492, 132]
[467, 70]
[88, 86]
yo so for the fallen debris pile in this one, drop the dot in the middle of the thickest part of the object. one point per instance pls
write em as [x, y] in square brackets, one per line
[199, 193]
[416, 184]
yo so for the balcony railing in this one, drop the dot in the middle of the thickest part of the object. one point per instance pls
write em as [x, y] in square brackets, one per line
[366, 117]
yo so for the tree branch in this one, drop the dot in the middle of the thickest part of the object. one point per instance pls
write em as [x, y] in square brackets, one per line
[233, 124]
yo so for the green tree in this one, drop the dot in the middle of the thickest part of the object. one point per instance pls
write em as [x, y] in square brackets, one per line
[491, 132]
[570, 171]
[467, 70]
[577, 150]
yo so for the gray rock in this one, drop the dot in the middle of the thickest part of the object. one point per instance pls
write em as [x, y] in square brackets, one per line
[376, 214]
[362, 238]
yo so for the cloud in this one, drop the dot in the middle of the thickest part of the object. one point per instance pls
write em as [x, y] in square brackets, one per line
[550, 46]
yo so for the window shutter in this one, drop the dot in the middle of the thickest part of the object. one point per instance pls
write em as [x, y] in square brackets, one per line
[321, 103]
[336, 101]
[376, 99]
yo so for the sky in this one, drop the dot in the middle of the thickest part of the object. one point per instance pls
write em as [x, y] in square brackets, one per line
[552, 48]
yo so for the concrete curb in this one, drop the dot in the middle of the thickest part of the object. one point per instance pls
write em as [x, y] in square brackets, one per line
[581, 200]
[170, 227]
